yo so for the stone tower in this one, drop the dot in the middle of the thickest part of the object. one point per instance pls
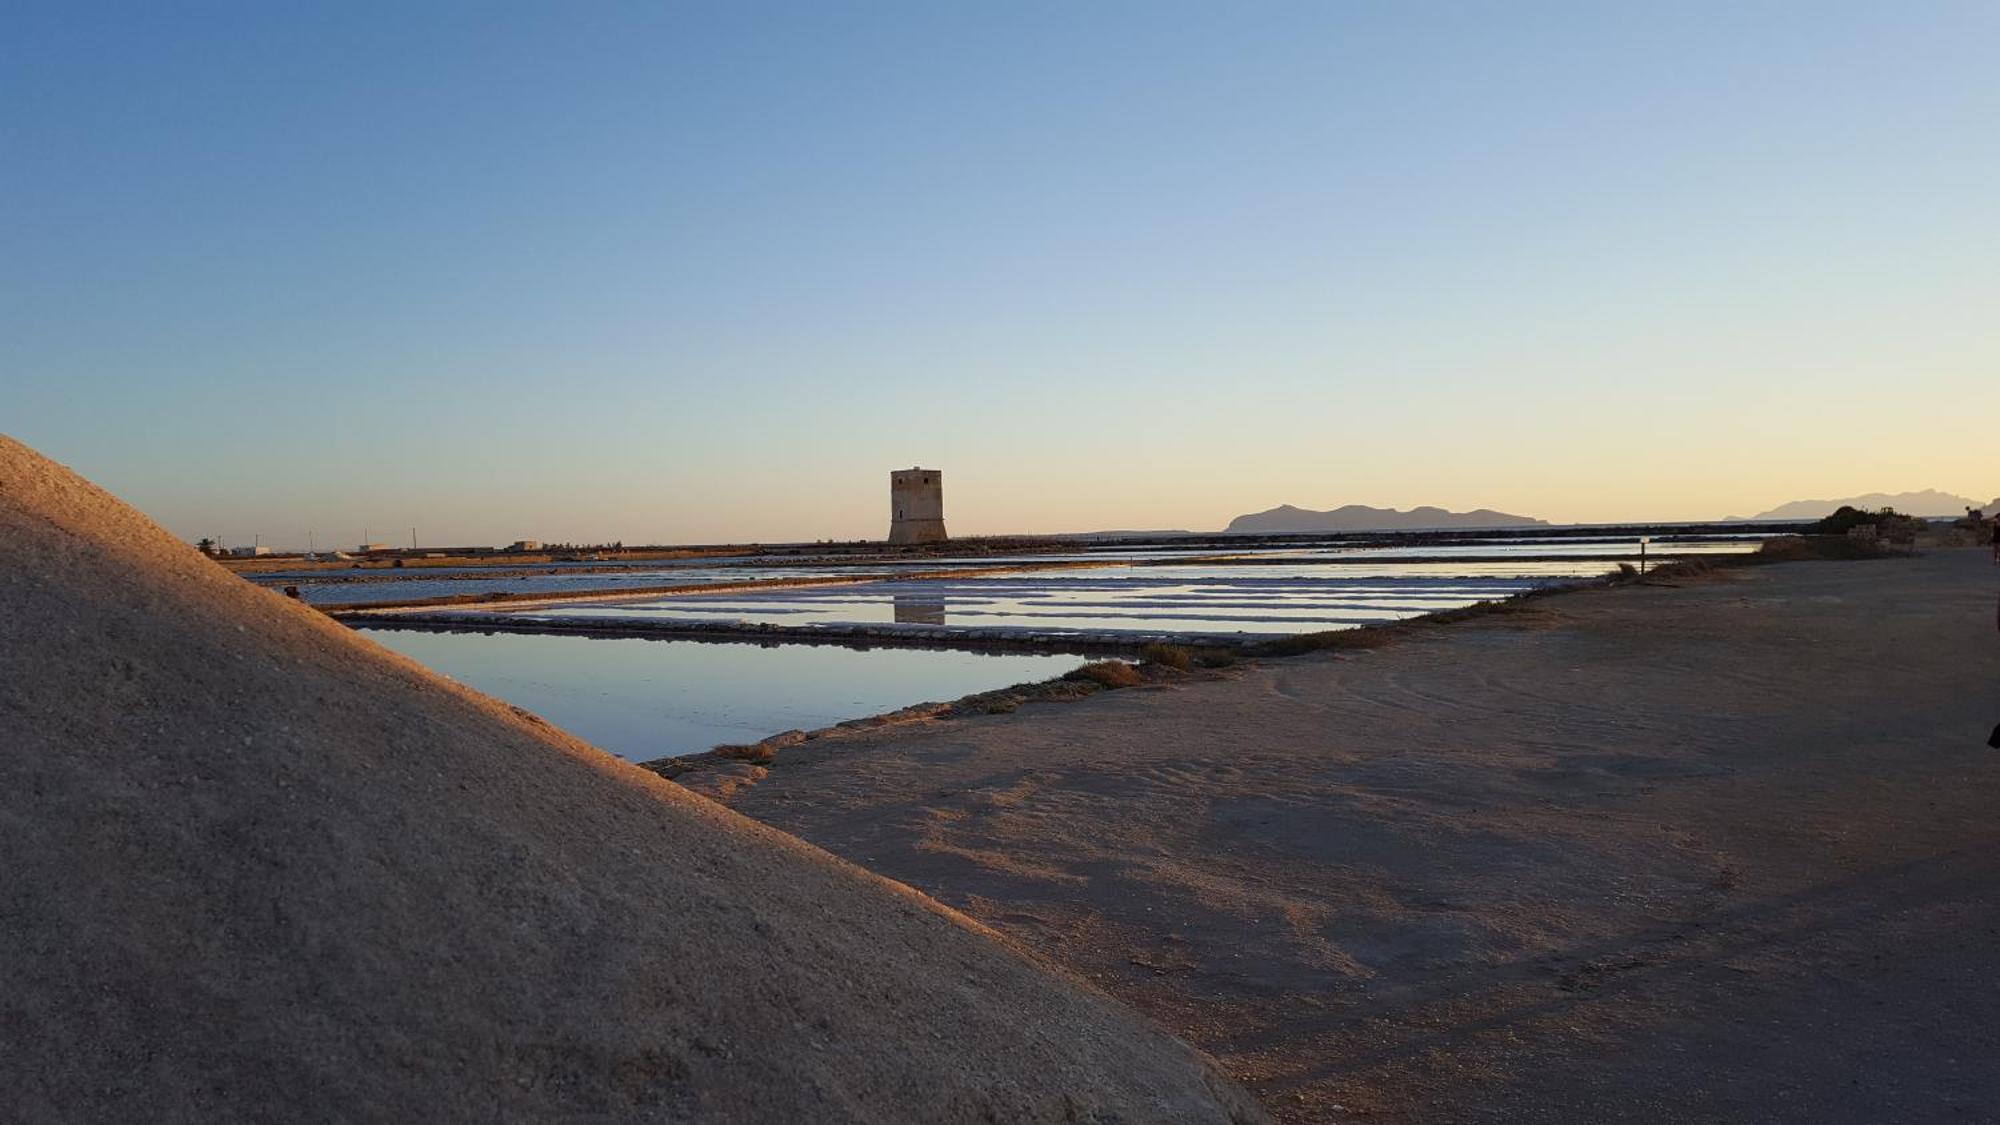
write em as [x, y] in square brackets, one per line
[916, 506]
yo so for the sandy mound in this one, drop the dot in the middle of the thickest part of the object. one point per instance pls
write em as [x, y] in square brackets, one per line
[258, 868]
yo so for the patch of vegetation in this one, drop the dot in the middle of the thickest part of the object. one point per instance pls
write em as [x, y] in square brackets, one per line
[1847, 517]
[759, 753]
[1214, 657]
[1833, 548]
[1108, 674]
[1168, 656]
[1885, 524]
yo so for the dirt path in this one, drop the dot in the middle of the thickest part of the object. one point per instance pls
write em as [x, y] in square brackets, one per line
[1725, 851]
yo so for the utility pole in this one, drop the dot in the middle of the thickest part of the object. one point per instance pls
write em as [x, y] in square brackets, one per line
[413, 539]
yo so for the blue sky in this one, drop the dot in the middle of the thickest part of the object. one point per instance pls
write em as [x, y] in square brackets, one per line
[707, 272]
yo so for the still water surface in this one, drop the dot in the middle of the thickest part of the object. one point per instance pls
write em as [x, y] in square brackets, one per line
[643, 699]
[1267, 601]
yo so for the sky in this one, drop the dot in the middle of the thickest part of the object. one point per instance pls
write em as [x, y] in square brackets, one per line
[707, 272]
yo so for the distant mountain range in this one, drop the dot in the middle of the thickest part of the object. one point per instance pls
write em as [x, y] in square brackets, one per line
[1360, 517]
[1929, 502]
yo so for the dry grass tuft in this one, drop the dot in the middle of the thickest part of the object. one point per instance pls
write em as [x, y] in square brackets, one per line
[1168, 656]
[1108, 674]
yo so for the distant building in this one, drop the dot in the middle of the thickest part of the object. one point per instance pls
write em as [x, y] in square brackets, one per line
[249, 552]
[916, 506]
[526, 545]
[370, 548]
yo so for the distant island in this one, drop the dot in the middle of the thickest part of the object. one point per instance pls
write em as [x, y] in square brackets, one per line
[1360, 517]
[1929, 502]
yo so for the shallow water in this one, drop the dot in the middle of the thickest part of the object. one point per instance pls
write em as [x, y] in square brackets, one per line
[643, 699]
[413, 589]
[1601, 552]
[1608, 548]
[1250, 605]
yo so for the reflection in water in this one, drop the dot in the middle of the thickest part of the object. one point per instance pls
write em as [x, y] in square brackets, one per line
[919, 609]
[645, 699]
[1261, 601]
[344, 587]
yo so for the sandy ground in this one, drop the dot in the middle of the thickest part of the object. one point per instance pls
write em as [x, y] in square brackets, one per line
[257, 868]
[1722, 852]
